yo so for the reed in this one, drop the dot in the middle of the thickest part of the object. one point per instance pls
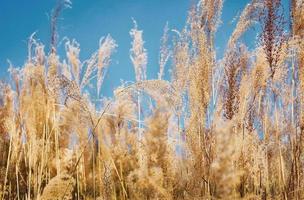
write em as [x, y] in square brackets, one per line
[230, 128]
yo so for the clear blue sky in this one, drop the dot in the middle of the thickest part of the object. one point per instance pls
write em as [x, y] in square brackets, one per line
[88, 20]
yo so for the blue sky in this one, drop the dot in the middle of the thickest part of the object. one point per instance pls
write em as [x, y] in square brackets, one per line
[89, 20]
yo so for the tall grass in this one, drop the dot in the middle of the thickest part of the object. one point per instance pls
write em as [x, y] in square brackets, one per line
[230, 128]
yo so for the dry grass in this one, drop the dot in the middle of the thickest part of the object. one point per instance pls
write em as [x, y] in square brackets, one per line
[230, 128]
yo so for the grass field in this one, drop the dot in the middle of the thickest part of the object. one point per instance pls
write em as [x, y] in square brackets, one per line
[229, 128]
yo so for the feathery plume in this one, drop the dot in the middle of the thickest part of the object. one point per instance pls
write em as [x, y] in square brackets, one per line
[138, 53]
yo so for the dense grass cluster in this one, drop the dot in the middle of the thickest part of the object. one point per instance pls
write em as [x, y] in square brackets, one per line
[230, 128]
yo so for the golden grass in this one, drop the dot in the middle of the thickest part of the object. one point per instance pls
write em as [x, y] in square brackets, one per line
[218, 129]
